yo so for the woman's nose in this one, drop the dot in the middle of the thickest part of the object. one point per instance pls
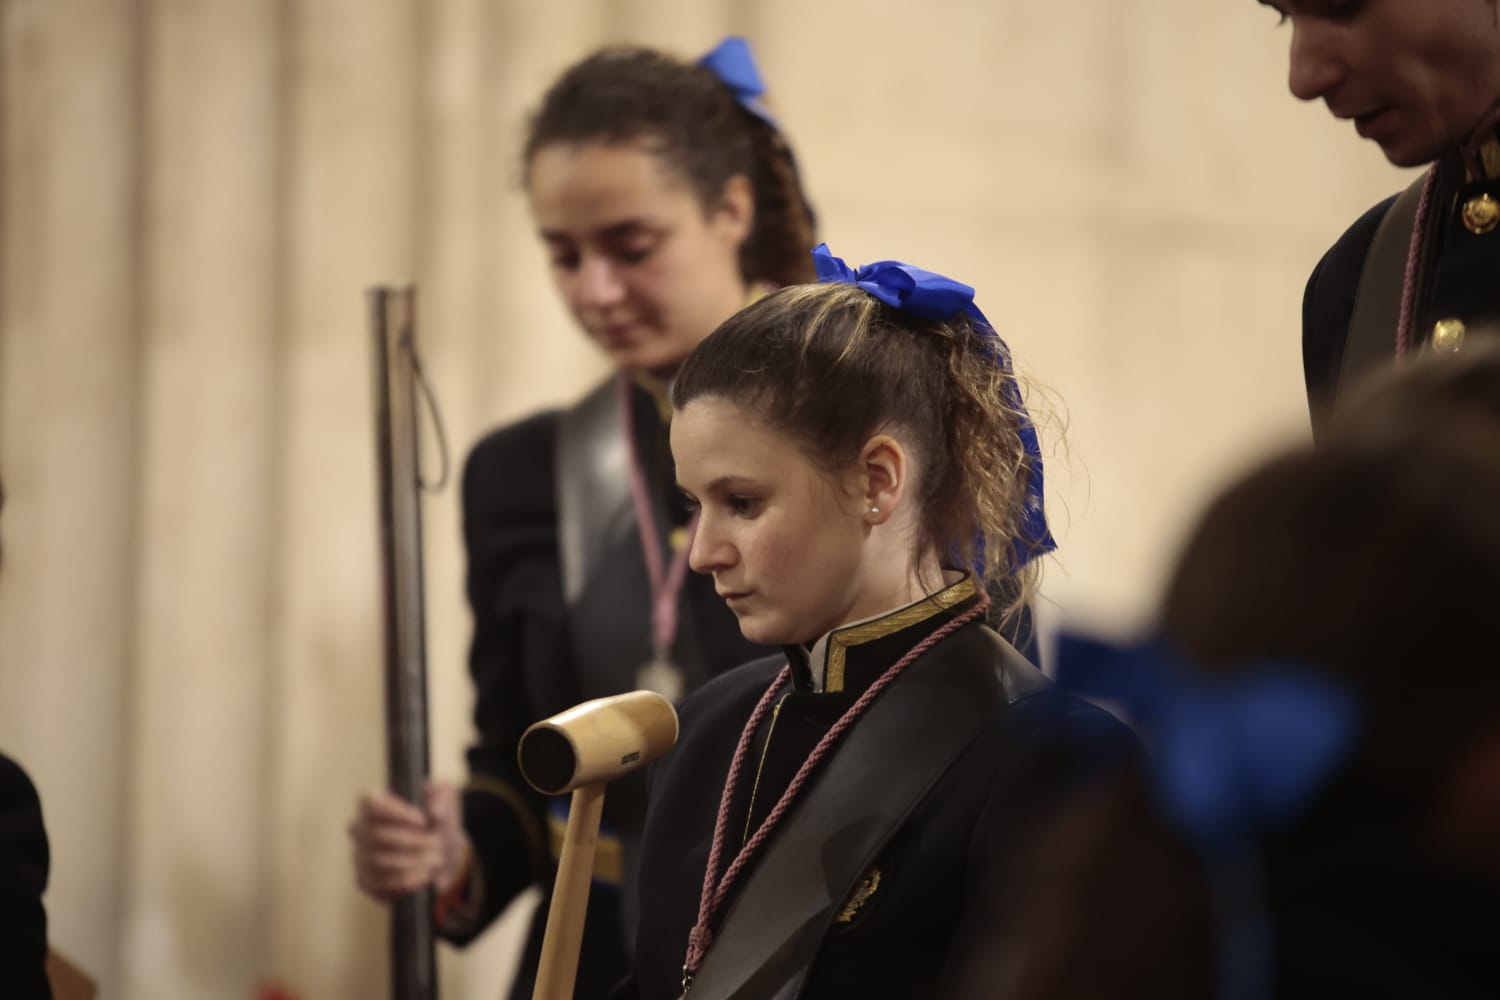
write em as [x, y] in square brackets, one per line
[708, 550]
[599, 282]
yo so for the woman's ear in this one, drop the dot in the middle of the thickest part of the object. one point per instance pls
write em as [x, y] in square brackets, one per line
[733, 213]
[884, 470]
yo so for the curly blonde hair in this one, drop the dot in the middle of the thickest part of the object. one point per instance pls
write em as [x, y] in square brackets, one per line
[830, 365]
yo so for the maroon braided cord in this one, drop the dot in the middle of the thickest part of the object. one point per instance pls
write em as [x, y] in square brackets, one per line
[1413, 257]
[1475, 167]
[715, 888]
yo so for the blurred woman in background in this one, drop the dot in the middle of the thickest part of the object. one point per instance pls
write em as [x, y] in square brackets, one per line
[666, 199]
[1321, 813]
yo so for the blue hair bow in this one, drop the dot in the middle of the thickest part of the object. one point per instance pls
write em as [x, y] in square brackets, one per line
[932, 296]
[734, 65]
[1231, 757]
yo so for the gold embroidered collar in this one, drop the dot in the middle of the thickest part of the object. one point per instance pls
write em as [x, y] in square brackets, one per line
[825, 663]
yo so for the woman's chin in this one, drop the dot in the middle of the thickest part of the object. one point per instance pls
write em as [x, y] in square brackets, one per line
[758, 630]
[771, 633]
[644, 355]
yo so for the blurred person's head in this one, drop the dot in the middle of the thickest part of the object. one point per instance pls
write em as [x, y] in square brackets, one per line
[1422, 396]
[1415, 76]
[664, 197]
[1378, 563]
[1373, 563]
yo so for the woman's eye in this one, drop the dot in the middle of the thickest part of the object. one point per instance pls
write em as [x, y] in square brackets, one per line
[564, 261]
[744, 506]
[636, 252]
[690, 505]
[1335, 10]
[1345, 10]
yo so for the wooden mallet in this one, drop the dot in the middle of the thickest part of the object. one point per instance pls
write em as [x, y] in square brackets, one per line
[580, 751]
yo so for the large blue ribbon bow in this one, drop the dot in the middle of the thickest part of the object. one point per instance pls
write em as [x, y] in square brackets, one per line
[932, 296]
[732, 62]
[1231, 757]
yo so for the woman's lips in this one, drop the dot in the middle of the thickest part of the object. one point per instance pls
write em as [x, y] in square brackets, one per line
[617, 334]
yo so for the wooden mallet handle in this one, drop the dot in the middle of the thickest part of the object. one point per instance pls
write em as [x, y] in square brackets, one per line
[579, 751]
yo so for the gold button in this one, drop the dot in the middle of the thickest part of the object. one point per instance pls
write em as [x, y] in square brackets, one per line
[1448, 335]
[1481, 214]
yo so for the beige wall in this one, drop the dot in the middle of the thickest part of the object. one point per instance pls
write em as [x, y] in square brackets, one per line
[193, 197]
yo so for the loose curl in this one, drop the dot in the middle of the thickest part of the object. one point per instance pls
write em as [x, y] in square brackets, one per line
[682, 113]
[830, 366]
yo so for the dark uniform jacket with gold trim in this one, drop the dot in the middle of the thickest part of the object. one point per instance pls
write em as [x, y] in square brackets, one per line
[526, 665]
[896, 933]
[23, 877]
[1461, 259]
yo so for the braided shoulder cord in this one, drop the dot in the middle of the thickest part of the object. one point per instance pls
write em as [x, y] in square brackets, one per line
[715, 889]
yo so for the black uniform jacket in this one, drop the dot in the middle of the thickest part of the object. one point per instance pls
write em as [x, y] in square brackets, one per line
[524, 669]
[1362, 907]
[23, 877]
[895, 934]
[1461, 258]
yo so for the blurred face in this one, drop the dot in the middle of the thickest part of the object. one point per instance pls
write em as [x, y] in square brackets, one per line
[642, 267]
[1415, 76]
[784, 540]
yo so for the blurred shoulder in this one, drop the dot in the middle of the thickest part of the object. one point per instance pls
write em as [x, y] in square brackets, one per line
[512, 466]
[1328, 300]
[16, 788]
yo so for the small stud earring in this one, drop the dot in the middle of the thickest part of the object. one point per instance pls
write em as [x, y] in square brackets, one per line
[874, 510]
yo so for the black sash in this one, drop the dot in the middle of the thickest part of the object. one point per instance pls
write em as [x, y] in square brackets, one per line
[605, 586]
[593, 485]
[875, 779]
[1370, 344]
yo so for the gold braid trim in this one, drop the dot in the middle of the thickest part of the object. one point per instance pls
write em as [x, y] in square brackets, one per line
[609, 855]
[858, 635]
[519, 804]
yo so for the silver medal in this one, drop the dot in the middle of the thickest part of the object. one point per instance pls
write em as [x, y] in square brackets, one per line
[662, 676]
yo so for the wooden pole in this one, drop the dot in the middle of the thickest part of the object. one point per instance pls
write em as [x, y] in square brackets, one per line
[570, 896]
[393, 331]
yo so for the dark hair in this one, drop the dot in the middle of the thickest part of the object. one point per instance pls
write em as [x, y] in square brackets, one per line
[1424, 395]
[682, 113]
[830, 365]
[1375, 560]
[1101, 900]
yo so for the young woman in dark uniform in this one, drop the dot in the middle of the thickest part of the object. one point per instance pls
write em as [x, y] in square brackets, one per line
[863, 463]
[666, 198]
